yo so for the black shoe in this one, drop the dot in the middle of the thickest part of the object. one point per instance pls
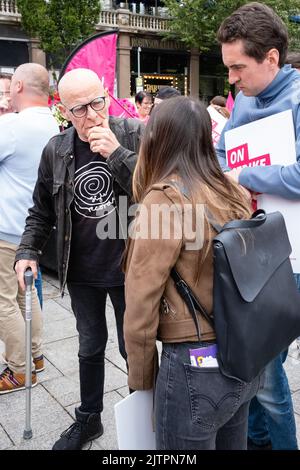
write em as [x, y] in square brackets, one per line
[87, 427]
[252, 446]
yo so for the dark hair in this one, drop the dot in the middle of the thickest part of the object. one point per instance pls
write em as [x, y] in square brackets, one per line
[141, 95]
[260, 29]
[167, 92]
[178, 140]
[6, 76]
[219, 101]
[293, 58]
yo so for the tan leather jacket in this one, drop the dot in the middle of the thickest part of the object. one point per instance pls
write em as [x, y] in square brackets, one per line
[154, 309]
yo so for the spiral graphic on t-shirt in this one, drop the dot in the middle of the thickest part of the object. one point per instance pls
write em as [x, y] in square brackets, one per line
[93, 194]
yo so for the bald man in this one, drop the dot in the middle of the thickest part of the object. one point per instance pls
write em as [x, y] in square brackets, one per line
[83, 184]
[22, 139]
[5, 102]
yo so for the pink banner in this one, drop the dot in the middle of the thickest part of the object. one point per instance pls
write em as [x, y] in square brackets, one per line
[122, 108]
[239, 156]
[230, 102]
[99, 55]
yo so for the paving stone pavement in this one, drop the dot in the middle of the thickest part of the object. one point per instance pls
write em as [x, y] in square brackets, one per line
[57, 393]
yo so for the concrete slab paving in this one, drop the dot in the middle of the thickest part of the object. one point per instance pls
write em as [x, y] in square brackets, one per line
[49, 373]
[292, 368]
[50, 278]
[47, 414]
[5, 441]
[53, 311]
[296, 403]
[294, 351]
[114, 357]
[123, 391]
[41, 442]
[57, 394]
[114, 378]
[63, 354]
[297, 419]
[60, 330]
[64, 389]
[50, 291]
[64, 302]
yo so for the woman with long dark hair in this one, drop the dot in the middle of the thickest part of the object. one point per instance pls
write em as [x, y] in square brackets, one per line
[180, 188]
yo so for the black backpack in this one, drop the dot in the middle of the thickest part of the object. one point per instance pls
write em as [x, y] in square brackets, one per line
[256, 304]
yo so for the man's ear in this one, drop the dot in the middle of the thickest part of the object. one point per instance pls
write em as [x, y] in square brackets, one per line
[273, 57]
[64, 111]
[19, 86]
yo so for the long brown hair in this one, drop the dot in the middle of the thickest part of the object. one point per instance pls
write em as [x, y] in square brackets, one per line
[178, 140]
[178, 143]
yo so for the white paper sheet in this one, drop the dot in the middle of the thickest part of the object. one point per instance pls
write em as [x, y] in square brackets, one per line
[134, 421]
[218, 123]
[269, 141]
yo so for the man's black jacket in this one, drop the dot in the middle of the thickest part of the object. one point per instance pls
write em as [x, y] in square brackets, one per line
[54, 190]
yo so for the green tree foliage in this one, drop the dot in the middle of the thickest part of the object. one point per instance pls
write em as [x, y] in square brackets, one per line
[59, 24]
[196, 22]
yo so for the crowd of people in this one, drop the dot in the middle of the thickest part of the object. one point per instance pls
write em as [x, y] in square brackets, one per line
[78, 181]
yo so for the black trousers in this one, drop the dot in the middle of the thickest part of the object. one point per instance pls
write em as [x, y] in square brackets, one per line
[88, 304]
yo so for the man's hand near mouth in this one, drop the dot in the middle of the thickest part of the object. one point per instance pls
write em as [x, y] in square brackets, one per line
[102, 140]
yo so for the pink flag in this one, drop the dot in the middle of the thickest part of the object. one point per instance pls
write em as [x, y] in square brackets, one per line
[229, 102]
[122, 108]
[97, 53]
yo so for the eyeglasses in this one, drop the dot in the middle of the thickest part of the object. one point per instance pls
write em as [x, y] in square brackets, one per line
[4, 93]
[96, 104]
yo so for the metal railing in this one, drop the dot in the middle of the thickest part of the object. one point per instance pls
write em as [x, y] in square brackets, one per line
[147, 22]
[129, 20]
[9, 8]
[108, 18]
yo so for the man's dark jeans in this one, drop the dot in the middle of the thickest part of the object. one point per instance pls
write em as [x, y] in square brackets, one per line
[88, 304]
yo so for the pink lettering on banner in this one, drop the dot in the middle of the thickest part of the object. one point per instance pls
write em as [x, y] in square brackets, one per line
[238, 156]
[213, 123]
[215, 137]
[215, 134]
[264, 160]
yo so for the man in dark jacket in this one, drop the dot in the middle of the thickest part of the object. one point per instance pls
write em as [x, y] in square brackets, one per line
[84, 173]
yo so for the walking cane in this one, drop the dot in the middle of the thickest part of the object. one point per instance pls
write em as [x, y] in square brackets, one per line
[28, 278]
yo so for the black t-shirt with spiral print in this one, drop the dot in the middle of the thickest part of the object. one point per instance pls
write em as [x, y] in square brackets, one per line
[96, 249]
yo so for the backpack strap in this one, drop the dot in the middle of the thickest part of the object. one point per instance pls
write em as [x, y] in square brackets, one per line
[191, 301]
[258, 218]
[182, 287]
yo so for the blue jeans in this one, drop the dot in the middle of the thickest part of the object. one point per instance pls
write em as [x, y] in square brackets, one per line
[199, 408]
[88, 304]
[39, 287]
[271, 413]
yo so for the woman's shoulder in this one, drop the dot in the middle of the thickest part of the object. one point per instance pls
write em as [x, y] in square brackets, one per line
[166, 191]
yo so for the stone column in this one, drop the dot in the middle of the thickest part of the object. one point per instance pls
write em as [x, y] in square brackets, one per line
[124, 65]
[194, 73]
[35, 53]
